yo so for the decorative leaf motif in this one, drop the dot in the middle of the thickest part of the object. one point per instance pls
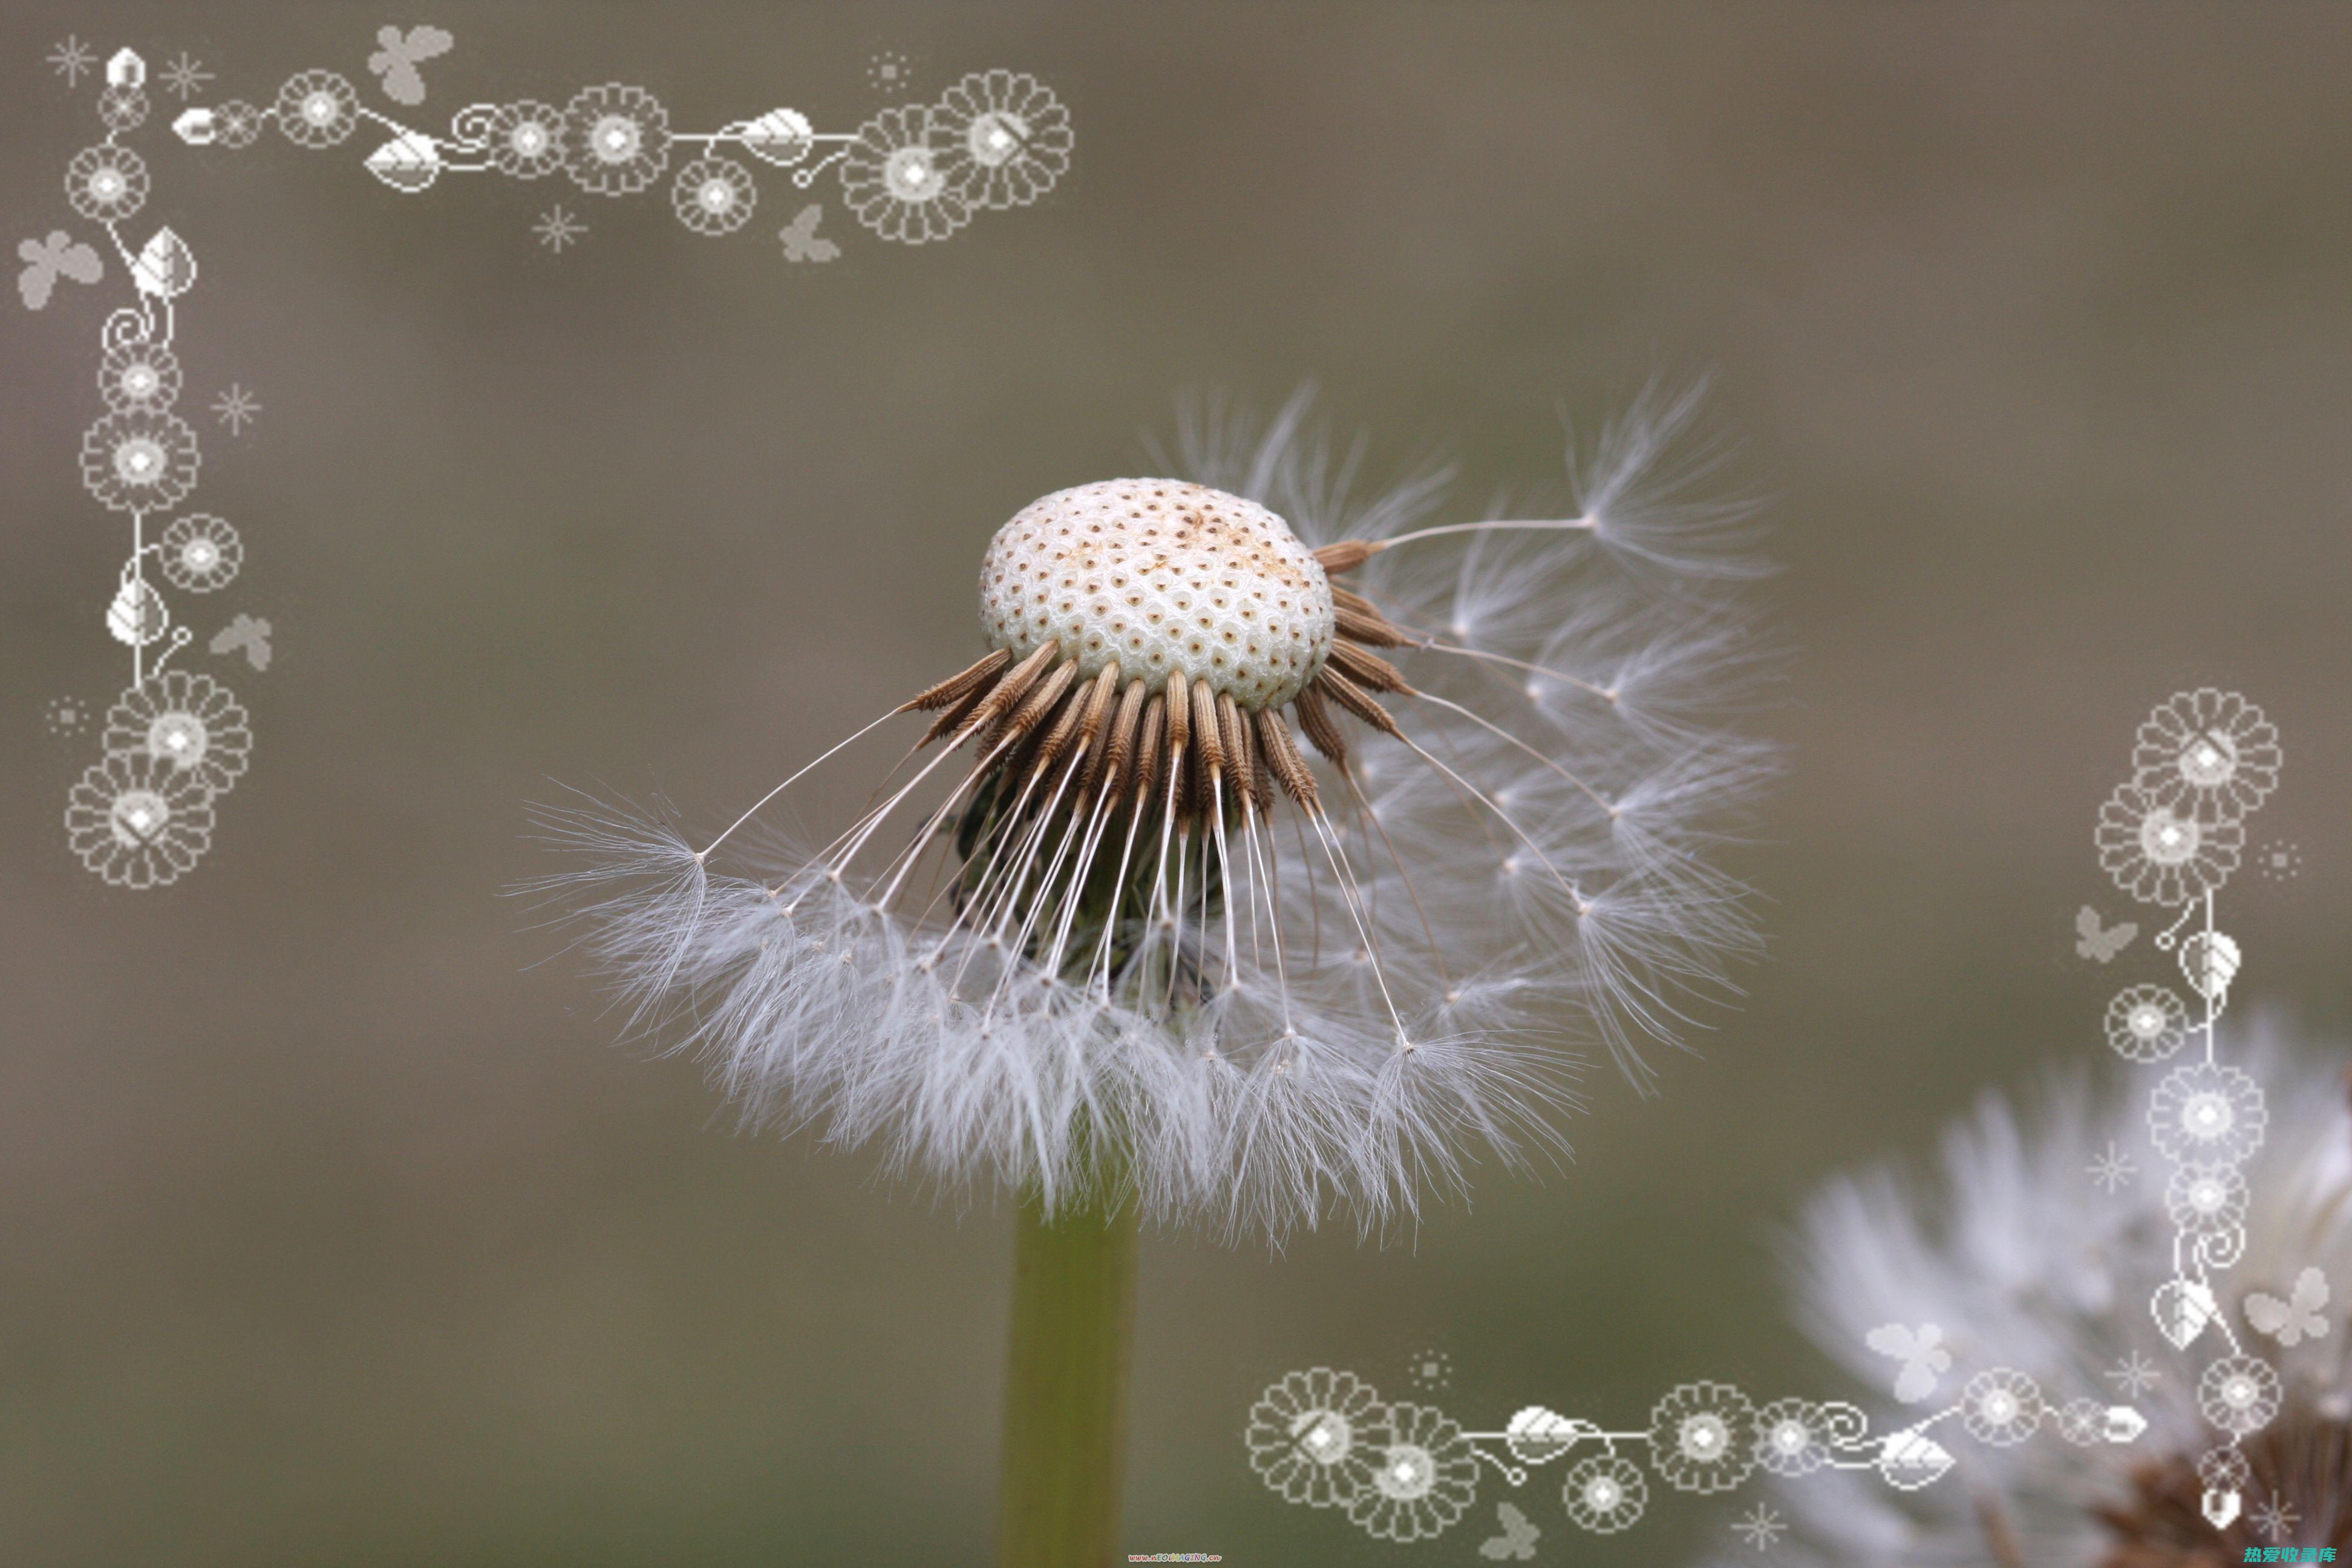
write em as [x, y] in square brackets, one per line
[165, 268]
[780, 136]
[125, 68]
[2211, 961]
[2123, 1423]
[2222, 1509]
[1537, 1433]
[408, 162]
[196, 126]
[1912, 1459]
[2182, 1308]
[137, 616]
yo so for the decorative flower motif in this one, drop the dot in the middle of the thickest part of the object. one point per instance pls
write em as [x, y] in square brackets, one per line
[615, 140]
[2208, 754]
[122, 107]
[1425, 1476]
[1311, 1436]
[317, 108]
[138, 821]
[2225, 1469]
[2208, 1114]
[236, 125]
[201, 553]
[2147, 1022]
[106, 185]
[191, 721]
[2207, 1200]
[139, 375]
[1605, 1494]
[2239, 1394]
[140, 461]
[1790, 1437]
[2001, 1407]
[1013, 134]
[2161, 855]
[897, 182]
[526, 139]
[1703, 1437]
[714, 196]
[2082, 1422]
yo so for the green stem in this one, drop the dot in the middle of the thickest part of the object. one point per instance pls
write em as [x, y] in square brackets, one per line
[1065, 1384]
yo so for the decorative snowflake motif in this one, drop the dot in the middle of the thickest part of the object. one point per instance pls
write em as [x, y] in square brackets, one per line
[557, 228]
[235, 408]
[67, 716]
[72, 58]
[2275, 1518]
[1433, 1369]
[2133, 1375]
[2281, 860]
[1761, 1529]
[185, 77]
[2113, 1170]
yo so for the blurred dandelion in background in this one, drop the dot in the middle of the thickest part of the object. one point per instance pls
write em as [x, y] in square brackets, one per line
[2049, 1286]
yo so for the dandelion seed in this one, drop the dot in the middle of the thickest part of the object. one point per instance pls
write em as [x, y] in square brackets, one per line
[1194, 887]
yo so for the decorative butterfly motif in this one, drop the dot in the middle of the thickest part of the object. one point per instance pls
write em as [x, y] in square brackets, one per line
[2091, 942]
[395, 63]
[2292, 1322]
[800, 237]
[1921, 1351]
[1519, 1538]
[250, 633]
[47, 260]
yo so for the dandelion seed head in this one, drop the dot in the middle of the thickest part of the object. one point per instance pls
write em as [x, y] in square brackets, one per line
[1161, 576]
[1220, 884]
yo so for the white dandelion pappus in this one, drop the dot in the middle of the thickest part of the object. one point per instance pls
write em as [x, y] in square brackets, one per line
[1115, 935]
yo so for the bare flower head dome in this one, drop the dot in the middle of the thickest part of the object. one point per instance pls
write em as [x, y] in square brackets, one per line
[1161, 577]
[1270, 859]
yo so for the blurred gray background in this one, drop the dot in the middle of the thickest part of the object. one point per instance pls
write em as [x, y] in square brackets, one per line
[334, 1230]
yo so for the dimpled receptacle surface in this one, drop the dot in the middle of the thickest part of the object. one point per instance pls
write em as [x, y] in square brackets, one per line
[1161, 576]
